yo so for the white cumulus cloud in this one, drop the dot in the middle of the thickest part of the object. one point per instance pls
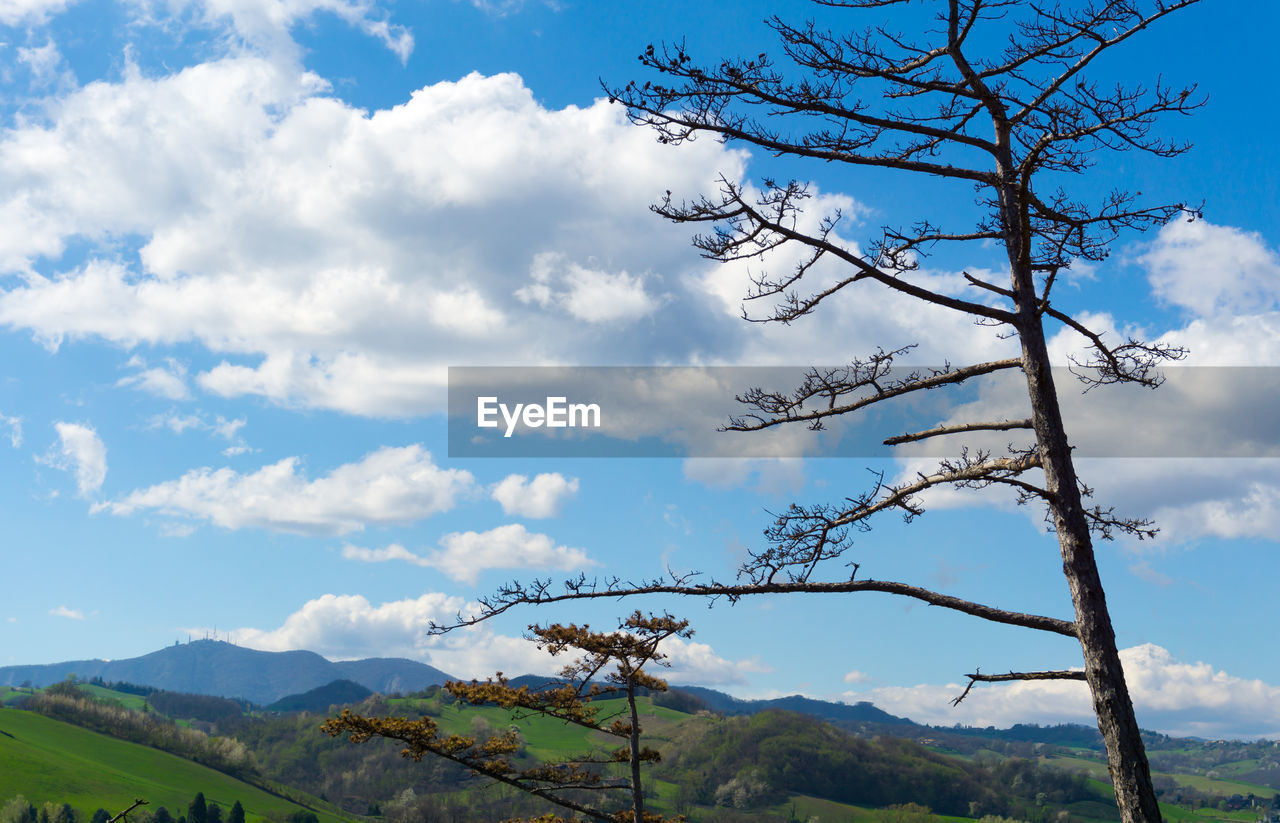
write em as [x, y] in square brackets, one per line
[1212, 269]
[340, 258]
[391, 485]
[349, 626]
[463, 556]
[82, 452]
[697, 664]
[544, 496]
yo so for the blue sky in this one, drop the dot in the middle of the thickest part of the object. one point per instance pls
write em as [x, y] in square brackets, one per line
[242, 240]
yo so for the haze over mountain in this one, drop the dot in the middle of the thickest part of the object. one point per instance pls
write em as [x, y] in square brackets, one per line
[217, 668]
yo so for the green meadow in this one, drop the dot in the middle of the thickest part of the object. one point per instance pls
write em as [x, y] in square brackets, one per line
[47, 760]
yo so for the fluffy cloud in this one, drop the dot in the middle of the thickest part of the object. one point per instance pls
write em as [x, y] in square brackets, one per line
[463, 556]
[1212, 270]
[324, 291]
[81, 451]
[697, 664]
[29, 12]
[1169, 695]
[1193, 498]
[168, 381]
[391, 485]
[340, 258]
[345, 627]
[587, 294]
[349, 626]
[544, 496]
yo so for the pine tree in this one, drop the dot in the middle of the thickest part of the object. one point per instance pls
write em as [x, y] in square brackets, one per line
[198, 811]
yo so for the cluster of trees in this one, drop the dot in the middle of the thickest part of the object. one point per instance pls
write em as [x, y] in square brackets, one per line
[291, 750]
[199, 707]
[1209, 757]
[19, 810]
[752, 762]
[65, 701]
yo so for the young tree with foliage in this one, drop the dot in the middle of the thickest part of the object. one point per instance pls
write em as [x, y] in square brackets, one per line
[610, 665]
[997, 97]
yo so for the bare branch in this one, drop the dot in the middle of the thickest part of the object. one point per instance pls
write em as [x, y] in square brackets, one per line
[1068, 674]
[124, 815]
[1004, 425]
[831, 386]
[538, 592]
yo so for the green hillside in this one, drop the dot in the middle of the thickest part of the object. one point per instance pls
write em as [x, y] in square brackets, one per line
[47, 760]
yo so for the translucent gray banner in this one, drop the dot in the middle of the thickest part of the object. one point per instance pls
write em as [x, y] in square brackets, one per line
[606, 411]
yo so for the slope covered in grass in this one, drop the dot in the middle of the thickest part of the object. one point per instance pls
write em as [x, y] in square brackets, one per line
[48, 760]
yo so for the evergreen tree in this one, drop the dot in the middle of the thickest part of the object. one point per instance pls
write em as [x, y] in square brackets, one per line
[100, 816]
[214, 814]
[237, 813]
[162, 815]
[198, 812]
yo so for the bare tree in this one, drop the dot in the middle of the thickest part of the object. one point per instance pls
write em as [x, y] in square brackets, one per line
[1018, 123]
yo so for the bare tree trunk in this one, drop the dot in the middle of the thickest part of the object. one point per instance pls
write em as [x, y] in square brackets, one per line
[1126, 755]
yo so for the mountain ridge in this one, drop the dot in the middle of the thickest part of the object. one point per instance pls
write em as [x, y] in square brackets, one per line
[215, 667]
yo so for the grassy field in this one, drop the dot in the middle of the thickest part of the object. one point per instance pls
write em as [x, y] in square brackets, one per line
[47, 760]
[8, 694]
[1205, 784]
[129, 701]
[806, 808]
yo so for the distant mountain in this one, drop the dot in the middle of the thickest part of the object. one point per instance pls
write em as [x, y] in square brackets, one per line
[321, 698]
[863, 712]
[226, 670]
[721, 703]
